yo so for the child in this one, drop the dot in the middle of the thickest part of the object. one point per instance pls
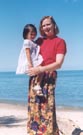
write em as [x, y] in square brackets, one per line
[29, 55]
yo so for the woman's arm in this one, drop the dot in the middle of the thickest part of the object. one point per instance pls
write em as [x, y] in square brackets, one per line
[55, 65]
[29, 57]
[50, 67]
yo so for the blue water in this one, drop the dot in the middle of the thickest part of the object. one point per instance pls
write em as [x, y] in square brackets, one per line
[69, 88]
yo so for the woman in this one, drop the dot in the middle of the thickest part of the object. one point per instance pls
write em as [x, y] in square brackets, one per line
[41, 109]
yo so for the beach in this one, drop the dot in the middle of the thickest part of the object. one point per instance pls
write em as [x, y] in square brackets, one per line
[13, 120]
[69, 103]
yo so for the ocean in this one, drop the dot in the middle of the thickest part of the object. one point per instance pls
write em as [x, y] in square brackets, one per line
[68, 91]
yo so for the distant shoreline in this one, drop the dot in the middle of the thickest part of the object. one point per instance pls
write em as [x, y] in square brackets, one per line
[57, 70]
[13, 102]
[24, 104]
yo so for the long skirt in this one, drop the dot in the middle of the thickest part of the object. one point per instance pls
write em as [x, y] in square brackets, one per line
[41, 109]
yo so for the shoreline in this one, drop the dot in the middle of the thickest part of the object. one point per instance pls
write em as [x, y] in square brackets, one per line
[24, 103]
[13, 119]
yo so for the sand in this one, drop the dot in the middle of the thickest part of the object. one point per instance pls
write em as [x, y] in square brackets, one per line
[13, 120]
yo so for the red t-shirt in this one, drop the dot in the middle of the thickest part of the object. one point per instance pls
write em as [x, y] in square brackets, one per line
[50, 47]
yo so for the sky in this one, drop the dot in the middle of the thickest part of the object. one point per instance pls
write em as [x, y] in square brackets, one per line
[15, 14]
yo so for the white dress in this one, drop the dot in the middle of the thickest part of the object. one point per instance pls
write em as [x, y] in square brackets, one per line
[37, 59]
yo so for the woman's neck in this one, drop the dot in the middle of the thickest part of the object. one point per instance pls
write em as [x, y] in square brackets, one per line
[51, 37]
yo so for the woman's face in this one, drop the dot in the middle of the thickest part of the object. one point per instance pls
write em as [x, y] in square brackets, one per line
[48, 27]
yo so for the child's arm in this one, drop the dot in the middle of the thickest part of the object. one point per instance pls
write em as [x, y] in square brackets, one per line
[29, 57]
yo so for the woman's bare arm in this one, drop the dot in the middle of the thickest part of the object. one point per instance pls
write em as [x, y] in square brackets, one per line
[55, 65]
[50, 67]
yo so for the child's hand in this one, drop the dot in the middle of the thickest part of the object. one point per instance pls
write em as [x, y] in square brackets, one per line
[30, 65]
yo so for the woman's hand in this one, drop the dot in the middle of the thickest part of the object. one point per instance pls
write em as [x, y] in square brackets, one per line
[34, 71]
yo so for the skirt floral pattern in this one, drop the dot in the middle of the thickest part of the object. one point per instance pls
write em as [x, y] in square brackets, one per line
[41, 109]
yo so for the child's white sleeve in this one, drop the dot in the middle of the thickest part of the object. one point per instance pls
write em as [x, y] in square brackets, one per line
[27, 44]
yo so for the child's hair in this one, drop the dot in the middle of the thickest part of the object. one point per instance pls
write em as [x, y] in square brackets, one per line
[27, 29]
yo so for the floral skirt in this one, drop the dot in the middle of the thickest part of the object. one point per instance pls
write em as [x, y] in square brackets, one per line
[41, 109]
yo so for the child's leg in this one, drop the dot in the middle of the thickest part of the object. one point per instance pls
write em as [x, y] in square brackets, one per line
[37, 87]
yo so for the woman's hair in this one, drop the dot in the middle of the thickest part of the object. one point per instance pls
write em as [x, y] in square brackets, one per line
[27, 29]
[56, 29]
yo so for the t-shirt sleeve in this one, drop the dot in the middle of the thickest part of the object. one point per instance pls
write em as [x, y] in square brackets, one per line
[61, 47]
[27, 44]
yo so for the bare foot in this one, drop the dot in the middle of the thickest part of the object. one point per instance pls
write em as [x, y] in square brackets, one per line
[39, 93]
[38, 90]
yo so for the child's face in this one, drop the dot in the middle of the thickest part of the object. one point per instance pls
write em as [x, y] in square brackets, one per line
[31, 35]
